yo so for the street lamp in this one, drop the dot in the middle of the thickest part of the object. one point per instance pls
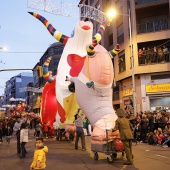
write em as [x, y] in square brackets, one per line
[111, 15]
[5, 48]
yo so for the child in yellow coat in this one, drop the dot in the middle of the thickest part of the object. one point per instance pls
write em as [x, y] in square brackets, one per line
[39, 160]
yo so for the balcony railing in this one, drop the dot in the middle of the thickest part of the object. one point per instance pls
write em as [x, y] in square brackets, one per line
[152, 26]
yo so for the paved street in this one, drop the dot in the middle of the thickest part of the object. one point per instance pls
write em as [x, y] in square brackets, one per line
[62, 156]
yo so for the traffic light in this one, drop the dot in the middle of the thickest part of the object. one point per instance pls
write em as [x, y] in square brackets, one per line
[39, 71]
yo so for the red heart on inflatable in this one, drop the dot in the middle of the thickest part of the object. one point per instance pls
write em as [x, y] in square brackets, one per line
[76, 63]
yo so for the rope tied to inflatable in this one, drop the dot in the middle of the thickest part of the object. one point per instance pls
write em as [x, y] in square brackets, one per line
[89, 84]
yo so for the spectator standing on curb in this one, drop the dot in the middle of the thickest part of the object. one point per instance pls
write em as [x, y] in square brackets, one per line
[144, 123]
[79, 130]
[124, 127]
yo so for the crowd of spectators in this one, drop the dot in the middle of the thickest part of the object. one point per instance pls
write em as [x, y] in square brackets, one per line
[151, 127]
[153, 55]
[148, 127]
[7, 123]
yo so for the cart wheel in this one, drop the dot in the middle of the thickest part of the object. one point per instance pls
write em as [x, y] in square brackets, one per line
[110, 158]
[114, 155]
[96, 156]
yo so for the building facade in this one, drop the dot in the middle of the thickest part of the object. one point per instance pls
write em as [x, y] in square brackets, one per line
[149, 22]
[54, 50]
[12, 91]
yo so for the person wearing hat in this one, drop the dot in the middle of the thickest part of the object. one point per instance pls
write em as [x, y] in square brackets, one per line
[123, 125]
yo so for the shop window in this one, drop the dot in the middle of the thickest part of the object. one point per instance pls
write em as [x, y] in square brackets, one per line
[160, 76]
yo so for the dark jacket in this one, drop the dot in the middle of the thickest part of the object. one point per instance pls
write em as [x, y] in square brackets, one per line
[124, 127]
[8, 132]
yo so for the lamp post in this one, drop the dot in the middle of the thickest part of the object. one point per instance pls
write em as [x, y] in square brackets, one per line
[4, 48]
[112, 14]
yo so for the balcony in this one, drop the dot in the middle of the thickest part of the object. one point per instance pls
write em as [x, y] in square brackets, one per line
[152, 26]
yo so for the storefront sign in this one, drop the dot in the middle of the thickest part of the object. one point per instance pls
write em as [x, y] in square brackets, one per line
[128, 92]
[157, 88]
[127, 102]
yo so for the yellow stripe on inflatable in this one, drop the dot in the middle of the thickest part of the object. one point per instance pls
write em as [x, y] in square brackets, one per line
[98, 37]
[47, 24]
[116, 52]
[34, 14]
[103, 27]
[58, 36]
[90, 50]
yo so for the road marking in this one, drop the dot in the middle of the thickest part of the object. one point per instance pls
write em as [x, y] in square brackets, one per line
[162, 156]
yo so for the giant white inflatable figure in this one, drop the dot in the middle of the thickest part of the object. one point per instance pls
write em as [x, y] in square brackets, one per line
[93, 89]
[71, 63]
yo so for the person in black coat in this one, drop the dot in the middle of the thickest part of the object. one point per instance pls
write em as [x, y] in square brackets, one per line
[8, 133]
[151, 122]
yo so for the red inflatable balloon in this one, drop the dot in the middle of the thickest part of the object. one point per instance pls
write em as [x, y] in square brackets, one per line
[48, 104]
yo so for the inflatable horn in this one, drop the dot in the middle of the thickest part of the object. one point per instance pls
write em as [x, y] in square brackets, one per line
[97, 37]
[46, 74]
[115, 51]
[57, 35]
